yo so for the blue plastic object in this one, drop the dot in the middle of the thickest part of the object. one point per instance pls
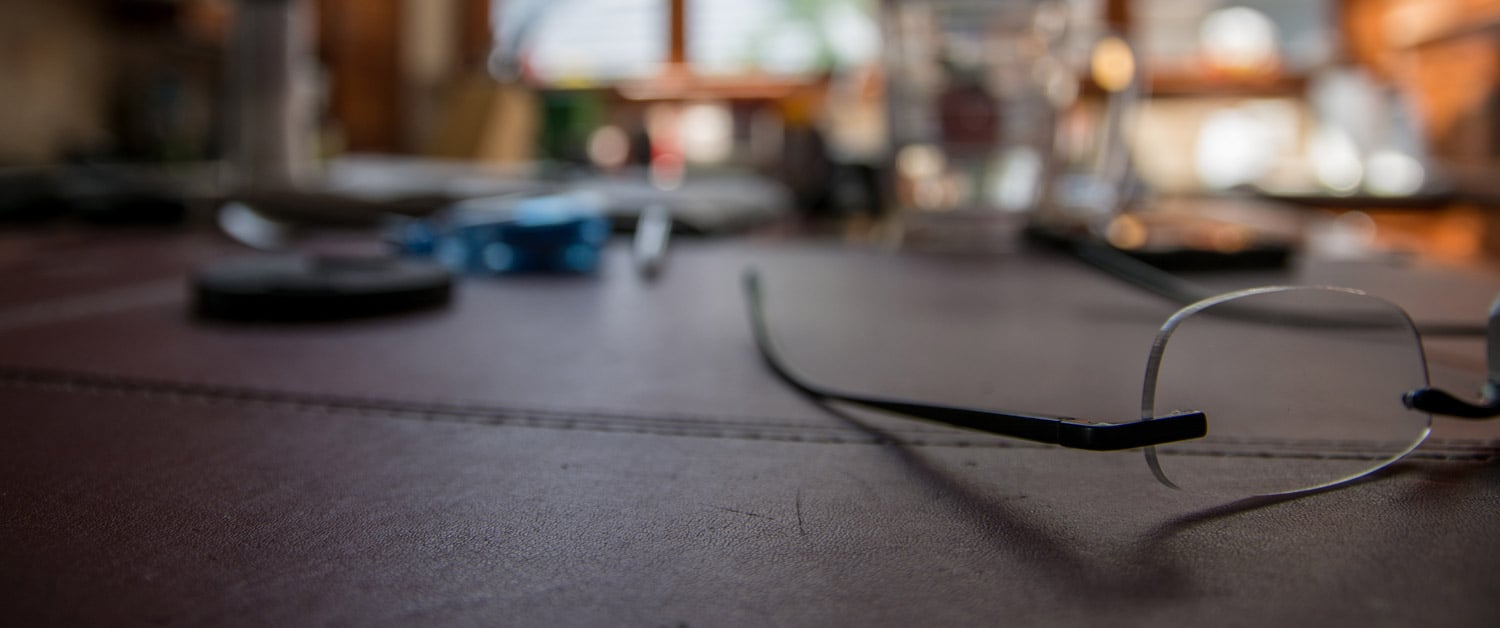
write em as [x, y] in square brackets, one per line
[560, 233]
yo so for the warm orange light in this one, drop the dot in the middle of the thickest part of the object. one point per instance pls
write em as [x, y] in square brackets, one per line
[1112, 64]
[1126, 232]
[1229, 238]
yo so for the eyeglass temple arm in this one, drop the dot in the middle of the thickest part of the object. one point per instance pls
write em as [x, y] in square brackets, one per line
[1052, 430]
[1436, 401]
[1122, 266]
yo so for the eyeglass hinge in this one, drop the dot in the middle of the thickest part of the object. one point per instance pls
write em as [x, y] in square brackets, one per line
[1435, 401]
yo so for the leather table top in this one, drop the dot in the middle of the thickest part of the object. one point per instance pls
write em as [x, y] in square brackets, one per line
[608, 450]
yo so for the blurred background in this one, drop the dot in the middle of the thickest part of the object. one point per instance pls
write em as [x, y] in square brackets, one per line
[1370, 125]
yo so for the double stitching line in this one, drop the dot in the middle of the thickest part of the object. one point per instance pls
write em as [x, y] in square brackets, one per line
[739, 428]
[600, 421]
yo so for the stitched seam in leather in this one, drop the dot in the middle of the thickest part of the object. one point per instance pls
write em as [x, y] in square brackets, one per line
[615, 421]
[1455, 450]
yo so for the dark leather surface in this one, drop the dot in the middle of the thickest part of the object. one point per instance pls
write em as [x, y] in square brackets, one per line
[610, 451]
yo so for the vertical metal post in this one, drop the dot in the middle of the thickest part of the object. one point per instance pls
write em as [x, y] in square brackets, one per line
[271, 94]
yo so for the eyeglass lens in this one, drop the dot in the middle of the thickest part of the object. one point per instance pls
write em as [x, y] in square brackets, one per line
[1302, 388]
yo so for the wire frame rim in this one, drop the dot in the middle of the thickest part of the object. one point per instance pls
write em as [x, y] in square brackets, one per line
[1164, 334]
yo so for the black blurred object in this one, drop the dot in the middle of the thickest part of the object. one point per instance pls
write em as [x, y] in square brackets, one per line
[123, 195]
[807, 170]
[1430, 198]
[29, 195]
[143, 12]
[322, 288]
[100, 194]
[1261, 256]
[1179, 244]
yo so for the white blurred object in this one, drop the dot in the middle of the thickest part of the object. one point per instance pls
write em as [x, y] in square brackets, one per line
[652, 233]
[1336, 161]
[1018, 183]
[253, 229]
[1239, 39]
[1393, 173]
[706, 132]
[1368, 137]
[1246, 143]
[609, 147]
[1350, 235]
[1233, 148]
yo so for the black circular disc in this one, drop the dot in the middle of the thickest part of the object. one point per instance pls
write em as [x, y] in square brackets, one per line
[289, 288]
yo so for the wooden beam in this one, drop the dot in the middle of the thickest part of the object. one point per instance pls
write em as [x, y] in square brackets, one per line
[677, 29]
[358, 41]
[475, 38]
